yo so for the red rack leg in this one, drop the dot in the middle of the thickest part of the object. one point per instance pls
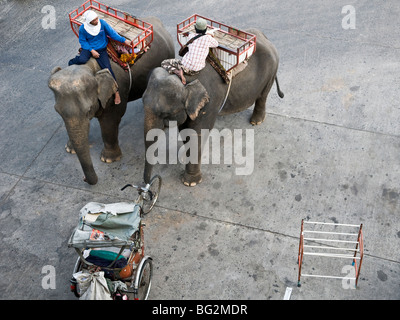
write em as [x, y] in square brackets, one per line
[300, 256]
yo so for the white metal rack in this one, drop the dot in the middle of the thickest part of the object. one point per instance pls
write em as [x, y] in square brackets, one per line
[320, 246]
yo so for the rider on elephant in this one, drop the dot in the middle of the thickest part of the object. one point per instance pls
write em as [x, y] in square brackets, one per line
[93, 39]
[195, 59]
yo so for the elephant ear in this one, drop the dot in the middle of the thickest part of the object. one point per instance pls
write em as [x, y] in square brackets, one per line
[106, 86]
[197, 97]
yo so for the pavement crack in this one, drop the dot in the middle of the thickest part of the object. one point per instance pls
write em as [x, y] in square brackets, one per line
[334, 125]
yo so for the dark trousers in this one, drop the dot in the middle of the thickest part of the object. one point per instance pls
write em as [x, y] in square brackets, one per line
[84, 56]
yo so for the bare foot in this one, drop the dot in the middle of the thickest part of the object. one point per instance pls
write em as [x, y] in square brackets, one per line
[117, 99]
[180, 75]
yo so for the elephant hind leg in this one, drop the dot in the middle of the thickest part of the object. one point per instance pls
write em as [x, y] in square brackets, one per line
[258, 115]
[259, 112]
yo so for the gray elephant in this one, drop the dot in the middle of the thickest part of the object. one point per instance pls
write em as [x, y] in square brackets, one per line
[84, 91]
[196, 105]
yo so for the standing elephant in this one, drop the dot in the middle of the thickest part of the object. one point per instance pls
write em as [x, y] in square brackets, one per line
[196, 105]
[84, 91]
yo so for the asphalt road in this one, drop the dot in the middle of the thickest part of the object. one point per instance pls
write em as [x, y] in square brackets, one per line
[329, 152]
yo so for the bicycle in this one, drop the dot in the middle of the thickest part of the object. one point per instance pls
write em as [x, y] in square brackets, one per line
[109, 240]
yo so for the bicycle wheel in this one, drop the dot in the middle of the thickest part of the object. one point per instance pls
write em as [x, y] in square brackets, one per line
[150, 199]
[143, 279]
[74, 284]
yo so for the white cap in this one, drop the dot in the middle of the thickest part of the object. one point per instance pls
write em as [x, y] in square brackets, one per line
[201, 24]
[90, 15]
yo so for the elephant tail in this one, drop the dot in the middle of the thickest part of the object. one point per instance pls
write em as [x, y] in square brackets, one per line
[280, 93]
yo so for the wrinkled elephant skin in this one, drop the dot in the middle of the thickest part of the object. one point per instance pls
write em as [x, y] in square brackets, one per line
[84, 91]
[196, 105]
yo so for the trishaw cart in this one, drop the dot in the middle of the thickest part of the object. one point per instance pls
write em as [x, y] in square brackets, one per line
[109, 240]
[235, 46]
[128, 26]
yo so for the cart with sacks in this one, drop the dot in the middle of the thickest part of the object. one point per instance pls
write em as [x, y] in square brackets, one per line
[109, 241]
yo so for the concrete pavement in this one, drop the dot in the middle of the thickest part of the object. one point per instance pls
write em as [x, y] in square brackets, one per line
[329, 151]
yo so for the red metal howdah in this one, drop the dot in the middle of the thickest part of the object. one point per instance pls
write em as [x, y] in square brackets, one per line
[141, 41]
[240, 46]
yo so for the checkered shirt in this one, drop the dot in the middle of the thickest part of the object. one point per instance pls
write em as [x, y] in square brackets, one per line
[195, 59]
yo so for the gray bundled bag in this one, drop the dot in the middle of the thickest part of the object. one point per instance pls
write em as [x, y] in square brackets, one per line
[93, 286]
[116, 223]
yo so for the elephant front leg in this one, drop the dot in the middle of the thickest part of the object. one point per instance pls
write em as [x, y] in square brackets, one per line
[109, 132]
[109, 155]
[69, 148]
[192, 175]
[192, 157]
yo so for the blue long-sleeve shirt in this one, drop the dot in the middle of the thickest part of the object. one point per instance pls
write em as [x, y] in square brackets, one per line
[100, 41]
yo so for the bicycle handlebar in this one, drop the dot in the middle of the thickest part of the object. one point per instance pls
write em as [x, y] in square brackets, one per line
[129, 185]
[140, 189]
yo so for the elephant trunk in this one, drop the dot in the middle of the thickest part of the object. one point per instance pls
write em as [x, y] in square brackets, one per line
[78, 132]
[151, 122]
[148, 168]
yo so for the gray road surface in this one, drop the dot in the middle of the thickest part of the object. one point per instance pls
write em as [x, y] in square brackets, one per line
[329, 151]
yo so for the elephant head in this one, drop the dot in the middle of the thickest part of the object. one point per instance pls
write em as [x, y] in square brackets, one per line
[81, 92]
[166, 99]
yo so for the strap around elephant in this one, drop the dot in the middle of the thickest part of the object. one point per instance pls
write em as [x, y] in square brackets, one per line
[226, 96]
